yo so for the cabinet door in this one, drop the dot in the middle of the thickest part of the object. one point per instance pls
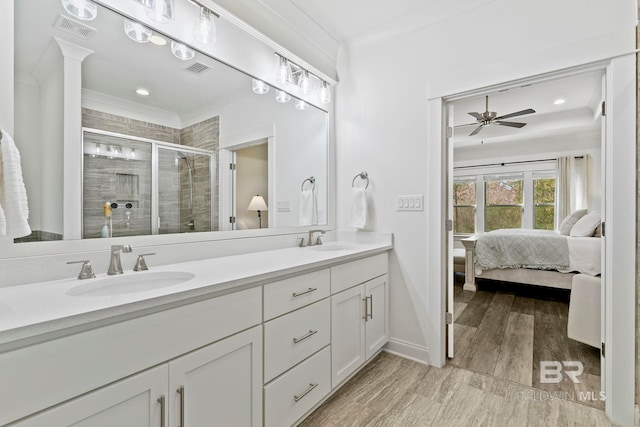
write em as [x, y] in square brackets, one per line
[347, 333]
[377, 322]
[130, 402]
[219, 385]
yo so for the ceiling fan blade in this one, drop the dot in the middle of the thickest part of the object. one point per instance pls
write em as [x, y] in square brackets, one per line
[466, 124]
[517, 113]
[476, 116]
[476, 130]
[510, 124]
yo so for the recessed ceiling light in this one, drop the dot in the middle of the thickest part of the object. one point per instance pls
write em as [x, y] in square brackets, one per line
[157, 40]
[559, 101]
[142, 92]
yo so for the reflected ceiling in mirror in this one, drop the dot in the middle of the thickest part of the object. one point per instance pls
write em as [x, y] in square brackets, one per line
[171, 145]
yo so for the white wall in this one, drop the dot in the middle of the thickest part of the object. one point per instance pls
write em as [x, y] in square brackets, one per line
[382, 114]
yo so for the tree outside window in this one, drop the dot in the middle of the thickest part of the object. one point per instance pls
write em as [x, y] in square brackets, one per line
[503, 202]
[544, 196]
[464, 206]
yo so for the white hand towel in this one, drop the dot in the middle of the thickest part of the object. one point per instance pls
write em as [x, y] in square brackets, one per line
[13, 195]
[308, 208]
[358, 217]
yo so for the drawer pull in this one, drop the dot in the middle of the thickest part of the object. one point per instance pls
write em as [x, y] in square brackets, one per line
[181, 393]
[304, 337]
[371, 306]
[307, 391]
[297, 294]
[161, 400]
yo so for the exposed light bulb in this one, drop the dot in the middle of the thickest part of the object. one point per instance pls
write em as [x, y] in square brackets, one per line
[304, 82]
[136, 31]
[182, 52]
[260, 87]
[81, 9]
[325, 93]
[301, 105]
[284, 74]
[204, 31]
[157, 40]
[160, 10]
[282, 96]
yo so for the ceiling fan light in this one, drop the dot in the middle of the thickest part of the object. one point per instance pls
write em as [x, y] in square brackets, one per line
[136, 31]
[282, 96]
[160, 10]
[182, 52]
[325, 93]
[85, 10]
[204, 30]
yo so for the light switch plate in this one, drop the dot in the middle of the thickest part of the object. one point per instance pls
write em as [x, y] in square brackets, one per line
[284, 206]
[413, 203]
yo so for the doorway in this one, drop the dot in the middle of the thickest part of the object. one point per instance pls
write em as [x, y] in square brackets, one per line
[504, 148]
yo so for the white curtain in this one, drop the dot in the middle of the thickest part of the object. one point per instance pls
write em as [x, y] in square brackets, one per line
[572, 185]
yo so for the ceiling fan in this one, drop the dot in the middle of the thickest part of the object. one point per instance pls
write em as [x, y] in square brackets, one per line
[491, 118]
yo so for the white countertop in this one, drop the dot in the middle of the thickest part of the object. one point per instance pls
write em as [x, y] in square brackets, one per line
[38, 311]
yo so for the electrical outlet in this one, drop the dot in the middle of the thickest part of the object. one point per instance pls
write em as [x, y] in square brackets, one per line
[410, 203]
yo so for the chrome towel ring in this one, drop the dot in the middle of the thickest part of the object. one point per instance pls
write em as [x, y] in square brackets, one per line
[363, 176]
[312, 180]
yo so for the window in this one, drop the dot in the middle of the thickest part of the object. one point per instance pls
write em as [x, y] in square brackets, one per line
[503, 202]
[544, 196]
[464, 206]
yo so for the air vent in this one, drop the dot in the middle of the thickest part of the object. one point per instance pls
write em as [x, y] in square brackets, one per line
[74, 27]
[198, 68]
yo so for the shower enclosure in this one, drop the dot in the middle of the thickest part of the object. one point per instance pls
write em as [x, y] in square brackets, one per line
[151, 187]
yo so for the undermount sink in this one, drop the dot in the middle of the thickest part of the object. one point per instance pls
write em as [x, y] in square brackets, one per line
[129, 283]
[332, 248]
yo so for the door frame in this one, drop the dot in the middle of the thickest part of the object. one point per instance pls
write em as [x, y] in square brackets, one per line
[619, 215]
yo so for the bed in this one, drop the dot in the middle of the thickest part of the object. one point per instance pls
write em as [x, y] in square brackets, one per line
[535, 257]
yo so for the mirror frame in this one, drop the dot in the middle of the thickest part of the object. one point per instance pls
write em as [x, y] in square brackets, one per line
[234, 36]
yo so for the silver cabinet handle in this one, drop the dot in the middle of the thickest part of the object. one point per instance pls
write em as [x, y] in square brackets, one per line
[297, 294]
[161, 400]
[371, 304]
[304, 337]
[307, 391]
[181, 393]
[366, 309]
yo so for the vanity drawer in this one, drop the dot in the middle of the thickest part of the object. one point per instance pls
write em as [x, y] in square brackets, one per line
[353, 273]
[292, 395]
[294, 337]
[290, 294]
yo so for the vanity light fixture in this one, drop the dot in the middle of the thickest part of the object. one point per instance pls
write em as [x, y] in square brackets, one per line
[284, 74]
[142, 92]
[158, 40]
[282, 96]
[325, 93]
[136, 31]
[204, 30]
[304, 82]
[160, 10]
[301, 105]
[259, 87]
[81, 9]
[182, 52]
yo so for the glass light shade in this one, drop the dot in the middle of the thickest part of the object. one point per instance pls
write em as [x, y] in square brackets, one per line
[204, 31]
[260, 87]
[81, 9]
[282, 96]
[304, 82]
[160, 10]
[325, 93]
[136, 31]
[284, 74]
[257, 204]
[301, 105]
[182, 52]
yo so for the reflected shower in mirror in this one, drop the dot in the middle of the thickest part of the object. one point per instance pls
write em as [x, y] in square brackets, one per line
[159, 132]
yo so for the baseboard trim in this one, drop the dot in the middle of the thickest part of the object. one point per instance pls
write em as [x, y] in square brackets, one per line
[408, 351]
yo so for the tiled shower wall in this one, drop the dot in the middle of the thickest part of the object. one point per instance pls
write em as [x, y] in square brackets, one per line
[173, 183]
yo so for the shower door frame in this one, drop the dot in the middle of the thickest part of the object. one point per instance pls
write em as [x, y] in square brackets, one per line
[155, 146]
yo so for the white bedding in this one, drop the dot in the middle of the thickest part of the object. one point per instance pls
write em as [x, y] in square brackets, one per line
[584, 255]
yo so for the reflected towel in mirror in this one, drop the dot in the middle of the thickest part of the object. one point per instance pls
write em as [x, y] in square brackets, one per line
[14, 210]
[308, 207]
[358, 214]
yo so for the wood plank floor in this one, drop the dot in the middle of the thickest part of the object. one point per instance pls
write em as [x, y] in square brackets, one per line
[393, 391]
[506, 330]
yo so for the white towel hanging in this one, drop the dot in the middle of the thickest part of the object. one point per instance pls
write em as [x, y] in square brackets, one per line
[358, 213]
[14, 209]
[308, 207]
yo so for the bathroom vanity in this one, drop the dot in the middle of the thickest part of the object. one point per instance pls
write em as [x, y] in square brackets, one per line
[246, 340]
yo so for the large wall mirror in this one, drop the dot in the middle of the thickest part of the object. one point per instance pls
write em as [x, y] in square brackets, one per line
[173, 141]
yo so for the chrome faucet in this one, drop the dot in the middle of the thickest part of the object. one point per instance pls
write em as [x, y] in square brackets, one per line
[317, 242]
[115, 266]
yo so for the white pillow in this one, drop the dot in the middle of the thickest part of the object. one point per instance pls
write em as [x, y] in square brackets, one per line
[586, 226]
[567, 224]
